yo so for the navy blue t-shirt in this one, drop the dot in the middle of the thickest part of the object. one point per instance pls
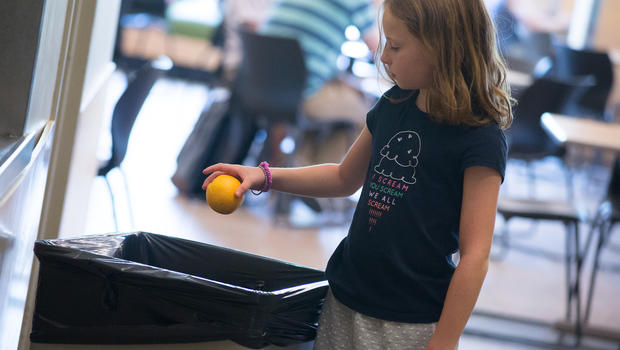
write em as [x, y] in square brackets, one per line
[396, 261]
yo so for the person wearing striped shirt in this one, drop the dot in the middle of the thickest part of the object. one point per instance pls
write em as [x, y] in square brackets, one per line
[319, 26]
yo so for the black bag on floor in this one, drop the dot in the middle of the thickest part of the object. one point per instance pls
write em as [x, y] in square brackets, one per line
[222, 134]
[144, 288]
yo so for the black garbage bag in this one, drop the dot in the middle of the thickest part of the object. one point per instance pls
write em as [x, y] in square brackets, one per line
[145, 288]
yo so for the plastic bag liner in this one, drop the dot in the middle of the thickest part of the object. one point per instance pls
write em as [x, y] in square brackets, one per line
[145, 288]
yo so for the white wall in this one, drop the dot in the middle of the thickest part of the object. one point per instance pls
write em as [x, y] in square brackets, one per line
[84, 162]
[90, 30]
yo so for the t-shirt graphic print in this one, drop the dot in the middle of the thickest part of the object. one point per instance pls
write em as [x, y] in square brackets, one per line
[400, 157]
[394, 173]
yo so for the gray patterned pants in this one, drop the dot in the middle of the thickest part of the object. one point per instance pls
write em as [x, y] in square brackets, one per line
[341, 328]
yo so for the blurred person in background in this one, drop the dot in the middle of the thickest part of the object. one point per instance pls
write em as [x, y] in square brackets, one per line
[525, 27]
[319, 26]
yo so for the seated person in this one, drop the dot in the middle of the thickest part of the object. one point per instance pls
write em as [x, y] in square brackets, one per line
[319, 26]
[525, 28]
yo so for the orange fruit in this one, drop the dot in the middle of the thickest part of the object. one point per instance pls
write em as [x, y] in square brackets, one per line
[221, 194]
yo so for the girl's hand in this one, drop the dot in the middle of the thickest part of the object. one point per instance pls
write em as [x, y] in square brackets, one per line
[251, 177]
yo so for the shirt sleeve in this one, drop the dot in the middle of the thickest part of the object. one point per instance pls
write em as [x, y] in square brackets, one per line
[371, 117]
[486, 146]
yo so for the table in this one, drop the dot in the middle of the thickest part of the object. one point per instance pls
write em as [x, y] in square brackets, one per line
[589, 133]
[614, 56]
[582, 131]
[516, 78]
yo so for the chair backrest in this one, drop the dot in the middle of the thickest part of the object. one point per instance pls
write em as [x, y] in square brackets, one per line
[271, 78]
[128, 106]
[570, 63]
[613, 188]
[542, 43]
[527, 138]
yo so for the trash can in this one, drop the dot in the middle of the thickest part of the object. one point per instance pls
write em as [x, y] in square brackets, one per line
[145, 288]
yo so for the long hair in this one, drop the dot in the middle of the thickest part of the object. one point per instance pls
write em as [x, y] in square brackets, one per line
[469, 77]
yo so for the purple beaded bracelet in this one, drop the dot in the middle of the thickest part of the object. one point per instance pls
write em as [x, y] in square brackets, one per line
[267, 184]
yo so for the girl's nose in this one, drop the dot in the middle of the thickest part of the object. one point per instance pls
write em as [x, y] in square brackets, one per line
[384, 58]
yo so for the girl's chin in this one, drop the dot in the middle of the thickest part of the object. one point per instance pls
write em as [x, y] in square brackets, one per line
[405, 86]
[402, 86]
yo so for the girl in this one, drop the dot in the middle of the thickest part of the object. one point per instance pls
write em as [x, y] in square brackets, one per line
[431, 159]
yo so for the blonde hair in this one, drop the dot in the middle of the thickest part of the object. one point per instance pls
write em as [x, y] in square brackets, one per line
[469, 77]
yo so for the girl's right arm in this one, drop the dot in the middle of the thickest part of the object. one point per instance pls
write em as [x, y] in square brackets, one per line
[324, 180]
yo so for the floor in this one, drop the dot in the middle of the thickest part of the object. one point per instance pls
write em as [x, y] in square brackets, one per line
[522, 283]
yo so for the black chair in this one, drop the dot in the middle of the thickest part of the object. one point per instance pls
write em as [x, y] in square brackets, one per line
[536, 47]
[269, 86]
[571, 217]
[124, 115]
[608, 215]
[570, 64]
[528, 141]
[271, 78]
